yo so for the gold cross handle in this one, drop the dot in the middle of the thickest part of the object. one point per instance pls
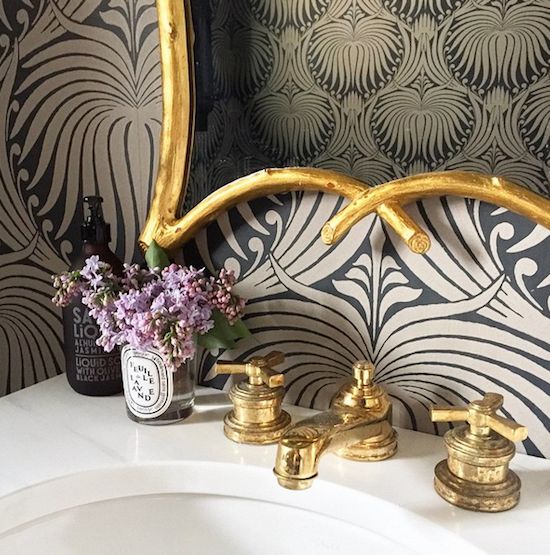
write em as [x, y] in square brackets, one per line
[258, 369]
[482, 417]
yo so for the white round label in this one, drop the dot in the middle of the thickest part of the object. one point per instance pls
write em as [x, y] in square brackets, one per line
[148, 384]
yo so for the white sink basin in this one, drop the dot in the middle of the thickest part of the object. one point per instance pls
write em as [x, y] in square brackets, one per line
[188, 523]
[207, 508]
[78, 477]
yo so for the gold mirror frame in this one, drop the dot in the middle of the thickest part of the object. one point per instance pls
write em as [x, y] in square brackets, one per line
[387, 200]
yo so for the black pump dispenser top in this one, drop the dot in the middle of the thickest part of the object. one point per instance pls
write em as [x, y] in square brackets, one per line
[95, 229]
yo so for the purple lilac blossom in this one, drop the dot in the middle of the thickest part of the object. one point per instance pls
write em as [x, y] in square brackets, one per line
[163, 310]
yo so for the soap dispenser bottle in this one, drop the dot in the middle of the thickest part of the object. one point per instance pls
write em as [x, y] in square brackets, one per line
[90, 370]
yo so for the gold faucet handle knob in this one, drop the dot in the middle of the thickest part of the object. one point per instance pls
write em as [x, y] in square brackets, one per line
[447, 413]
[224, 367]
[508, 428]
[271, 378]
[363, 373]
[273, 358]
[481, 415]
[258, 369]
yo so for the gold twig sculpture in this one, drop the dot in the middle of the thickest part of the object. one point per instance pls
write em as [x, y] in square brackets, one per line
[163, 225]
[456, 183]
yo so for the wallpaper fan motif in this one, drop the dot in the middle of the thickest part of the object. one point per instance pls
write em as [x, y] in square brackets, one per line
[443, 328]
[79, 114]
[381, 90]
[375, 88]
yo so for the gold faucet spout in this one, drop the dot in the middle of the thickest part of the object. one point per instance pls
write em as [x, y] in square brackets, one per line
[339, 431]
[357, 426]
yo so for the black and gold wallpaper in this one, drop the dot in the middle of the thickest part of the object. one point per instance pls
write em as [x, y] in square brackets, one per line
[376, 89]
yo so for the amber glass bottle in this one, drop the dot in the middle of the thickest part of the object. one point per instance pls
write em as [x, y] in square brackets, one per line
[90, 370]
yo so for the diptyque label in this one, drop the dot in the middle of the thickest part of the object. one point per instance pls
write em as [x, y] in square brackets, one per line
[148, 384]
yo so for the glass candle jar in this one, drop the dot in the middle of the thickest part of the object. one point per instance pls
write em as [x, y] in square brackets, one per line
[155, 394]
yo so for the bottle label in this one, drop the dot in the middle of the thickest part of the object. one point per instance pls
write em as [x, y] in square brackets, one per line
[90, 370]
[148, 384]
[91, 363]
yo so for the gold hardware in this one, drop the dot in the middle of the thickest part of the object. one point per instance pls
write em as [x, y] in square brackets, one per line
[257, 416]
[357, 426]
[475, 475]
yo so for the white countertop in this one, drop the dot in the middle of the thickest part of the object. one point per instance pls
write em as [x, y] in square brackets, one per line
[48, 431]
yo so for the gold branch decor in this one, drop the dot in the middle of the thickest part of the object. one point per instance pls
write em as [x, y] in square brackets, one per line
[494, 190]
[163, 225]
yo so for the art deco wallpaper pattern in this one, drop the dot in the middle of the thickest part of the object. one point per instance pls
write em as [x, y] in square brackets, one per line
[382, 89]
[80, 103]
[376, 89]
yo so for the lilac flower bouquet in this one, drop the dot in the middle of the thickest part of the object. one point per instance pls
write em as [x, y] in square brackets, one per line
[167, 307]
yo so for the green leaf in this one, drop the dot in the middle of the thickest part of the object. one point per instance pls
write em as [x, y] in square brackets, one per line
[239, 327]
[222, 327]
[212, 342]
[156, 257]
[223, 335]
